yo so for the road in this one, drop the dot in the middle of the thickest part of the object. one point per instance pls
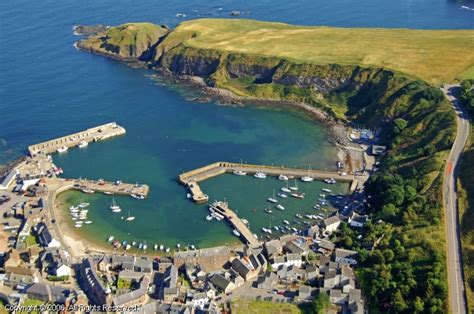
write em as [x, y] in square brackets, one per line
[457, 294]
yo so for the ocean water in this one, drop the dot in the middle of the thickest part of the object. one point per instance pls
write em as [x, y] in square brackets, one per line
[48, 89]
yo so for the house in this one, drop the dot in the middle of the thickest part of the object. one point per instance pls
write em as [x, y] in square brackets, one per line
[143, 264]
[170, 278]
[62, 271]
[210, 259]
[235, 278]
[48, 293]
[244, 268]
[21, 275]
[311, 232]
[312, 273]
[12, 175]
[92, 285]
[293, 259]
[298, 247]
[325, 247]
[277, 261]
[357, 221]
[266, 281]
[135, 297]
[122, 262]
[44, 236]
[304, 293]
[344, 256]
[220, 282]
[332, 223]
[273, 247]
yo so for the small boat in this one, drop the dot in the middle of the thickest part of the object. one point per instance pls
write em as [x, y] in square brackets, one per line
[276, 228]
[83, 205]
[272, 199]
[108, 193]
[209, 217]
[140, 246]
[82, 144]
[111, 238]
[189, 195]
[193, 247]
[130, 218]
[167, 250]
[239, 173]
[74, 218]
[178, 246]
[282, 177]
[283, 195]
[295, 187]
[127, 247]
[114, 207]
[124, 242]
[260, 175]
[322, 195]
[88, 191]
[134, 243]
[161, 247]
[280, 207]
[286, 190]
[88, 222]
[298, 216]
[255, 236]
[286, 222]
[326, 190]
[73, 208]
[294, 229]
[297, 195]
[62, 149]
[307, 179]
[78, 225]
[245, 221]
[236, 233]
[145, 247]
[268, 210]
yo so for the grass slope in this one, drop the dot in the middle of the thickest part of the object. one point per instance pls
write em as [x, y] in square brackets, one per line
[432, 55]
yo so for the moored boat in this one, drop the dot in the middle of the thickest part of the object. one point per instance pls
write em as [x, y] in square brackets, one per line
[260, 175]
[280, 207]
[82, 144]
[282, 195]
[239, 173]
[62, 149]
[236, 233]
[282, 177]
[297, 195]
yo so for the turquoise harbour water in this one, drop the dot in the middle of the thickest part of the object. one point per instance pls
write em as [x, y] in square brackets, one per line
[48, 89]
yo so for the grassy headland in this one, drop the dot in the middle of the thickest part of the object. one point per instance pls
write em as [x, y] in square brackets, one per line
[377, 77]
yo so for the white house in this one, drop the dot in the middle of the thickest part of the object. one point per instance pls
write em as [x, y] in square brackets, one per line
[63, 270]
[332, 223]
[347, 257]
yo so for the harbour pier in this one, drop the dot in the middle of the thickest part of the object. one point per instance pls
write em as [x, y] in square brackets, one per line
[119, 188]
[98, 133]
[191, 178]
[232, 218]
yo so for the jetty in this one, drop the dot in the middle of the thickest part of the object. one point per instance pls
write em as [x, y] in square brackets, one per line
[232, 218]
[119, 188]
[191, 178]
[98, 133]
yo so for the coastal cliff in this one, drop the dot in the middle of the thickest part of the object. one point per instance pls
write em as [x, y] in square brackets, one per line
[416, 121]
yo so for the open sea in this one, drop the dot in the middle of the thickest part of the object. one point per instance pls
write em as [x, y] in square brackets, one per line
[49, 89]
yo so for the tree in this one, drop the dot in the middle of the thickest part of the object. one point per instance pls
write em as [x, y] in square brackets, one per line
[400, 125]
[321, 303]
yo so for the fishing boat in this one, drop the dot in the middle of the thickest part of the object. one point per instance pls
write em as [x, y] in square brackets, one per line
[62, 149]
[272, 199]
[294, 187]
[88, 191]
[297, 195]
[280, 207]
[217, 216]
[282, 177]
[82, 144]
[294, 229]
[236, 233]
[260, 175]
[111, 238]
[286, 222]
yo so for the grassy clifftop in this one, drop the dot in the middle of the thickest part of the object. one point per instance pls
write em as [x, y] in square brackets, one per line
[432, 55]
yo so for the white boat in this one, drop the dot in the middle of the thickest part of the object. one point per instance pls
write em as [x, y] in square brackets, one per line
[88, 191]
[282, 177]
[285, 189]
[62, 149]
[83, 205]
[74, 218]
[88, 222]
[78, 225]
[108, 193]
[298, 216]
[209, 217]
[144, 247]
[189, 195]
[73, 208]
[255, 236]
[276, 228]
[167, 250]
[239, 173]
[326, 190]
[178, 246]
[272, 199]
[127, 247]
[268, 210]
[130, 218]
[73, 211]
[322, 195]
[111, 238]
[114, 207]
[294, 229]
[193, 247]
[155, 247]
[161, 247]
[297, 195]
[286, 222]
[245, 221]
[260, 175]
[280, 207]
[283, 195]
[236, 233]
[295, 187]
[82, 144]
[307, 179]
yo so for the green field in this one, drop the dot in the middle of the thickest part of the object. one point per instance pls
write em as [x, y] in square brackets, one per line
[433, 55]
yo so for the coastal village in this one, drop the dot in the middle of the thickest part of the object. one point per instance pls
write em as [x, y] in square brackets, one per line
[38, 264]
